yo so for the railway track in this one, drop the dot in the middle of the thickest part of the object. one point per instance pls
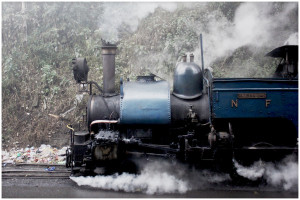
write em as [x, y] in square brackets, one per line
[35, 171]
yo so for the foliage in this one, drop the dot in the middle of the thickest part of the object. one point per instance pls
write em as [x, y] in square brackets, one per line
[39, 40]
[244, 63]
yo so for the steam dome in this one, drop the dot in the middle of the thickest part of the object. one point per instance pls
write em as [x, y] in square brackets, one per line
[188, 83]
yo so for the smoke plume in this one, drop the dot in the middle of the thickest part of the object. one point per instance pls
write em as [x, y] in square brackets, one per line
[255, 24]
[129, 14]
[292, 40]
[160, 177]
[282, 175]
[261, 26]
[156, 177]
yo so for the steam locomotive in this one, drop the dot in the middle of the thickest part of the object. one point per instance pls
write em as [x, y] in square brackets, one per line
[203, 119]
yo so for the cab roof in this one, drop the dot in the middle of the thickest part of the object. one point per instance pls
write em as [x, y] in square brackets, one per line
[280, 52]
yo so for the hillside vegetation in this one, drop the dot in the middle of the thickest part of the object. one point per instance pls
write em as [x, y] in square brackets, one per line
[40, 39]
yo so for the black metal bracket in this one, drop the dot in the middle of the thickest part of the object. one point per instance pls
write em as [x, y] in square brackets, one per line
[87, 87]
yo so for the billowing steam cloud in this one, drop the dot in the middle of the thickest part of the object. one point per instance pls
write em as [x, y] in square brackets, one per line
[150, 183]
[256, 24]
[283, 175]
[292, 40]
[156, 177]
[130, 14]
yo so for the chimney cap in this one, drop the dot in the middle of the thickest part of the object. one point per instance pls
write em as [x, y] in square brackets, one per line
[108, 48]
[106, 44]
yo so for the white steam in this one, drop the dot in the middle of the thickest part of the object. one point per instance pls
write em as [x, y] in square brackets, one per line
[283, 174]
[253, 172]
[159, 177]
[150, 183]
[155, 178]
[129, 14]
[254, 24]
[292, 40]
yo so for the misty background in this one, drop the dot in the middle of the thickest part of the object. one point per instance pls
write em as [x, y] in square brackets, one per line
[40, 39]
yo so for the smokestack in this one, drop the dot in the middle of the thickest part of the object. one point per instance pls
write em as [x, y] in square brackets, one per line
[108, 61]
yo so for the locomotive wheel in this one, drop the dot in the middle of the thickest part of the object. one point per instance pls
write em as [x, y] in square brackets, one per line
[128, 166]
[75, 172]
[224, 163]
[240, 180]
[123, 166]
[223, 160]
